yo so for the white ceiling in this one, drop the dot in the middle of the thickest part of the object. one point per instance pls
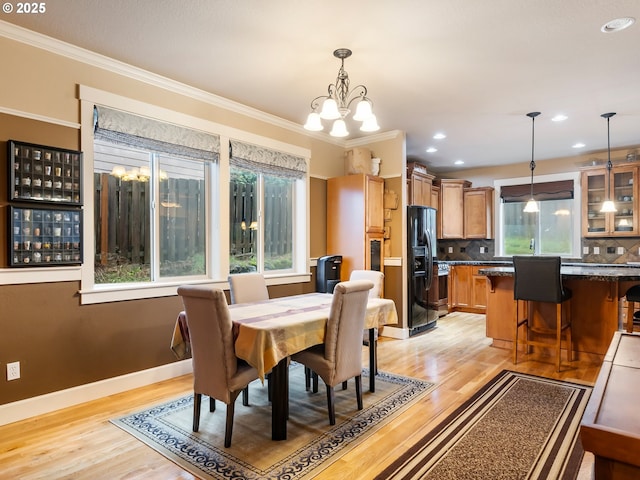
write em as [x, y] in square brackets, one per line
[469, 68]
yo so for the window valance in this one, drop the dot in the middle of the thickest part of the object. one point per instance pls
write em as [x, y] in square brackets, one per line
[135, 131]
[266, 161]
[560, 190]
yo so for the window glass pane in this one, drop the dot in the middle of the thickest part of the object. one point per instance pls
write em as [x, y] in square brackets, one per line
[121, 208]
[243, 221]
[518, 227]
[278, 223]
[181, 215]
[551, 229]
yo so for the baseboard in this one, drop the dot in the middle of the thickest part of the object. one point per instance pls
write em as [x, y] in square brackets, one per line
[31, 407]
[394, 332]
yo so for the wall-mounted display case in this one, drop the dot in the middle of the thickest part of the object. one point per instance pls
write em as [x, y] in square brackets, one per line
[44, 174]
[44, 236]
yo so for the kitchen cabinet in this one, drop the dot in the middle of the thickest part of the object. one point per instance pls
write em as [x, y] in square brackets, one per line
[355, 222]
[478, 212]
[467, 289]
[623, 190]
[451, 217]
[420, 185]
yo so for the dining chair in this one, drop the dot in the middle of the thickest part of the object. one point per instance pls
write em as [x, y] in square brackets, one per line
[339, 358]
[376, 292]
[632, 319]
[248, 287]
[538, 279]
[217, 372]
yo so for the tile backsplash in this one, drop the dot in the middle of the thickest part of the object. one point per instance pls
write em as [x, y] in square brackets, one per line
[593, 250]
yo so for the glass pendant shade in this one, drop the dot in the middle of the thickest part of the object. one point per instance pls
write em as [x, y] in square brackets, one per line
[370, 124]
[531, 206]
[314, 123]
[329, 109]
[339, 129]
[363, 111]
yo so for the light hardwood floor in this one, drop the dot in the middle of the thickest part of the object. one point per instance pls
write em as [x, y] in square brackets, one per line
[80, 443]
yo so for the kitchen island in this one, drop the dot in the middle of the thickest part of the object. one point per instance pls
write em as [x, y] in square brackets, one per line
[596, 312]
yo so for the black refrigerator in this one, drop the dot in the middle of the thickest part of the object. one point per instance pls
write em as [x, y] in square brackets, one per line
[421, 253]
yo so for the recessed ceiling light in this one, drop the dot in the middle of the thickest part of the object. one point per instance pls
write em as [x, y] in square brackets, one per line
[559, 118]
[459, 162]
[439, 136]
[578, 145]
[617, 24]
[432, 150]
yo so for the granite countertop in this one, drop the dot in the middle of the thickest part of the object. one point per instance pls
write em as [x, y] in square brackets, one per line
[584, 271]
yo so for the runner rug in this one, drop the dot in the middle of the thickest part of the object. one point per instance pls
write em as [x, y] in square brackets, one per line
[312, 444]
[517, 426]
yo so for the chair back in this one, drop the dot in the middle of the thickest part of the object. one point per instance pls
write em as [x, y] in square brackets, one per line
[343, 339]
[248, 287]
[211, 335]
[373, 276]
[538, 279]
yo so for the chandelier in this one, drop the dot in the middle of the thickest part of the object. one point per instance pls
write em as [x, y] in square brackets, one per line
[337, 104]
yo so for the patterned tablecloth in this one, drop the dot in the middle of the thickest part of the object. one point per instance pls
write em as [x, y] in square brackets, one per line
[271, 330]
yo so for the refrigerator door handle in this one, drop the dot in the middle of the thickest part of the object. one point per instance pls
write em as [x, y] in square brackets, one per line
[429, 269]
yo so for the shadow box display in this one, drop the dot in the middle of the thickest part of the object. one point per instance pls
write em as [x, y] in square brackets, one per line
[44, 174]
[44, 236]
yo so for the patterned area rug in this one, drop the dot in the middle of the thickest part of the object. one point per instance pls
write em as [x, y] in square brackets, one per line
[516, 427]
[312, 444]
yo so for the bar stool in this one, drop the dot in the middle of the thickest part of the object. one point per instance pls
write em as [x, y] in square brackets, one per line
[633, 319]
[538, 279]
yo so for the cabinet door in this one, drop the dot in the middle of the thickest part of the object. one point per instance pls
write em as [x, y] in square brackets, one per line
[478, 213]
[375, 204]
[621, 186]
[479, 290]
[452, 208]
[460, 278]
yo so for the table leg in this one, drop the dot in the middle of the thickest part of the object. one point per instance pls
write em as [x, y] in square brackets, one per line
[280, 400]
[373, 371]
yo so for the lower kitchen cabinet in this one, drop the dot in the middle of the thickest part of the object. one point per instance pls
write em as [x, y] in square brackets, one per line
[467, 289]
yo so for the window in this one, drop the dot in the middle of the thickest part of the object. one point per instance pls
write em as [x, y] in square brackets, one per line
[554, 230]
[151, 211]
[263, 209]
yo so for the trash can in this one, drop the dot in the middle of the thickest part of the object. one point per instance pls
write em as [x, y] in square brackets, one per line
[328, 273]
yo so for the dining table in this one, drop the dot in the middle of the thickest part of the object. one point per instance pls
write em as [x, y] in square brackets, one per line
[268, 332]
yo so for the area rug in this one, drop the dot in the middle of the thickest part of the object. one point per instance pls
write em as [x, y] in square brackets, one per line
[517, 426]
[312, 444]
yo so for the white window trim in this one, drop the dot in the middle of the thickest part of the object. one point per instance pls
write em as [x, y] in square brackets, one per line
[577, 205]
[91, 293]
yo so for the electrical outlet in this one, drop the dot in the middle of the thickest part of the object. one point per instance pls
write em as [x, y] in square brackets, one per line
[620, 250]
[482, 250]
[13, 371]
[585, 250]
[450, 249]
[596, 250]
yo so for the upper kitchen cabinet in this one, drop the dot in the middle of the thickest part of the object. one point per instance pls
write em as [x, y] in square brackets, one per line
[419, 184]
[478, 212]
[451, 212]
[355, 221]
[622, 188]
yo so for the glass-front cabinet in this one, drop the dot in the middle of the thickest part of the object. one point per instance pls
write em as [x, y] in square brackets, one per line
[621, 186]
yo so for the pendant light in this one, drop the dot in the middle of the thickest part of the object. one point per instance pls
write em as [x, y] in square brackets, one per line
[608, 206]
[532, 205]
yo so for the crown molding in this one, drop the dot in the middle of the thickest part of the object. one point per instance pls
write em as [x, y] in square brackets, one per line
[58, 47]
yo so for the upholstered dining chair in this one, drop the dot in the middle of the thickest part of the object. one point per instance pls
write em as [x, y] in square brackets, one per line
[339, 358]
[632, 318]
[376, 292]
[248, 287]
[538, 279]
[217, 372]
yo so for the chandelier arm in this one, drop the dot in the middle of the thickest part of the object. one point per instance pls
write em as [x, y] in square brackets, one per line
[358, 93]
[315, 102]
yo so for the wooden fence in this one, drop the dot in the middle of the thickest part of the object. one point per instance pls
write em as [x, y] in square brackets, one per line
[122, 216]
